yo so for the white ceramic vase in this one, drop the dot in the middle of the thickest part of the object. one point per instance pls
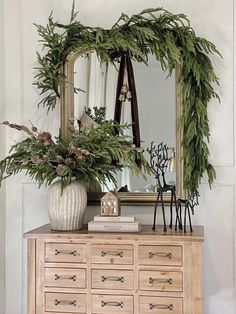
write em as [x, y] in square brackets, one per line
[66, 209]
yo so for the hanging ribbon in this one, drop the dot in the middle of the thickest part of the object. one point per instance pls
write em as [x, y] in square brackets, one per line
[126, 65]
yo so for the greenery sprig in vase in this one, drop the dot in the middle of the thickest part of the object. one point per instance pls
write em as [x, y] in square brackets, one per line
[91, 154]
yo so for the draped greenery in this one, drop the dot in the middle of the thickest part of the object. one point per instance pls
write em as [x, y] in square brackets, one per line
[171, 39]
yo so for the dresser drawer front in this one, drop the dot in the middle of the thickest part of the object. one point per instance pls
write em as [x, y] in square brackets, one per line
[161, 280]
[160, 255]
[65, 278]
[160, 305]
[65, 252]
[112, 254]
[114, 304]
[65, 302]
[112, 279]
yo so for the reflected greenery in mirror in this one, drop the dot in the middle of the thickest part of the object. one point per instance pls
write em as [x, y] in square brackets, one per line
[171, 39]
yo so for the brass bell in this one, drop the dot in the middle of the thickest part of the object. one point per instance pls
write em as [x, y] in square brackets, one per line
[124, 89]
[122, 97]
[129, 95]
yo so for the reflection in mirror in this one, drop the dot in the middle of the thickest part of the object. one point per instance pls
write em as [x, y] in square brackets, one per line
[157, 114]
[156, 102]
[89, 76]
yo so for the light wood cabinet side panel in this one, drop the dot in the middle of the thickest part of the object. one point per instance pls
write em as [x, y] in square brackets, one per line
[193, 299]
[31, 302]
[40, 276]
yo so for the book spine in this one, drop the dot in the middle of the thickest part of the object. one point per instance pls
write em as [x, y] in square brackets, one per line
[114, 219]
[114, 227]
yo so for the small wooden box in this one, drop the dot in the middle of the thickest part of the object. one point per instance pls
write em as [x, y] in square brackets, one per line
[110, 204]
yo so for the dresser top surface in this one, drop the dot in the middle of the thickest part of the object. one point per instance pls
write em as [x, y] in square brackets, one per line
[145, 234]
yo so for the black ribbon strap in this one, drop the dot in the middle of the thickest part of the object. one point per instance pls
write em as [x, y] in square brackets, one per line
[126, 63]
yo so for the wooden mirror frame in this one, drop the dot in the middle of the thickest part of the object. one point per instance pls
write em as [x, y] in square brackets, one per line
[67, 114]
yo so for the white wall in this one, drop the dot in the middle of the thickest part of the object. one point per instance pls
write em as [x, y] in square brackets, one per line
[26, 205]
[2, 154]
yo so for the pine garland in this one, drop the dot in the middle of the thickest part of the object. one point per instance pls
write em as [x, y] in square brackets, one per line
[167, 36]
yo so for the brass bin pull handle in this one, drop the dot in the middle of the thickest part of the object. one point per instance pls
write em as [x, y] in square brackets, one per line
[64, 277]
[120, 304]
[159, 254]
[112, 253]
[66, 252]
[160, 280]
[161, 306]
[112, 278]
[64, 302]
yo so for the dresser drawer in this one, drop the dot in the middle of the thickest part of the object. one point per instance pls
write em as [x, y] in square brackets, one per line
[65, 302]
[67, 278]
[160, 305]
[114, 304]
[65, 252]
[112, 279]
[112, 254]
[160, 255]
[160, 280]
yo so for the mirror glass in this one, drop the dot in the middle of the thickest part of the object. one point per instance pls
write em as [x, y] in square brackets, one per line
[156, 104]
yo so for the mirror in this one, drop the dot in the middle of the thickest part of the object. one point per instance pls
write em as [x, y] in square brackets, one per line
[159, 108]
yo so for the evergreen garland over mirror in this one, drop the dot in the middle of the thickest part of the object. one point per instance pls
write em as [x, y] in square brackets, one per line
[167, 36]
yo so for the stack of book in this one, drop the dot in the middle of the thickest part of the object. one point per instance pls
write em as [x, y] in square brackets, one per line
[114, 224]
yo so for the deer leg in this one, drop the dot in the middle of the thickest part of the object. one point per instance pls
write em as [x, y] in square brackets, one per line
[155, 212]
[163, 211]
[189, 217]
[185, 216]
[171, 211]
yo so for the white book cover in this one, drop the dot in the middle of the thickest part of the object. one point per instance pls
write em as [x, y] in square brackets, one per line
[114, 226]
[115, 218]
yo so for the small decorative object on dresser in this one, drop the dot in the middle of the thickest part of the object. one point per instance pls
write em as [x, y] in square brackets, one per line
[114, 226]
[110, 204]
[66, 209]
[136, 273]
[159, 162]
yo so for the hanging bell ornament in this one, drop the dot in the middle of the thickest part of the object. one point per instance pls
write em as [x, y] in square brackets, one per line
[129, 95]
[122, 97]
[124, 89]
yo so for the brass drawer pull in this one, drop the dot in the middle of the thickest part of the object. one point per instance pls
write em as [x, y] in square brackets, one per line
[64, 277]
[63, 302]
[67, 252]
[120, 304]
[161, 306]
[113, 253]
[158, 254]
[161, 280]
[112, 278]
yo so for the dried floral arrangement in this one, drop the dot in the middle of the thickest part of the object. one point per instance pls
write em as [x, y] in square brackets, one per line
[91, 154]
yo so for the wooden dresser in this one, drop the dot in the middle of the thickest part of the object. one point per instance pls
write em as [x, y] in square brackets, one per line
[150, 272]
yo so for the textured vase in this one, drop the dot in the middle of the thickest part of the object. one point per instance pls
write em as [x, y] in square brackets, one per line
[66, 209]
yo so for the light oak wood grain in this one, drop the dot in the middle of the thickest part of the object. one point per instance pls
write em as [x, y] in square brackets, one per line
[126, 255]
[161, 280]
[65, 302]
[160, 305]
[114, 304]
[70, 252]
[160, 255]
[111, 254]
[112, 279]
[65, 278]
[31, 275]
